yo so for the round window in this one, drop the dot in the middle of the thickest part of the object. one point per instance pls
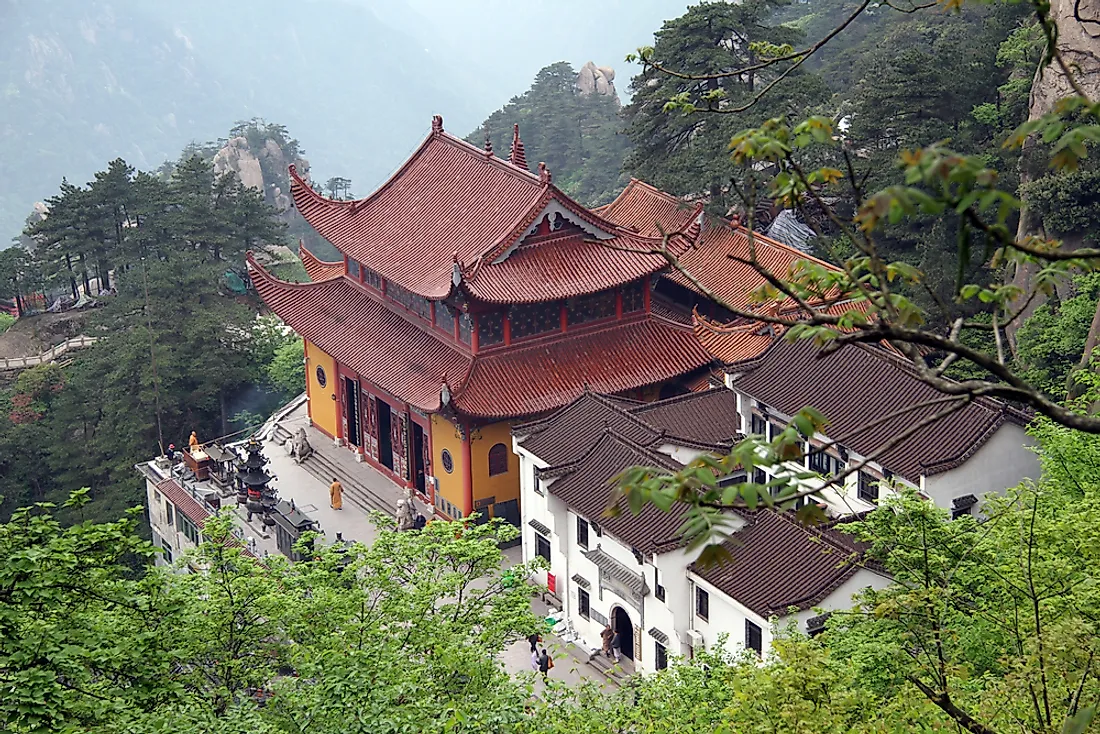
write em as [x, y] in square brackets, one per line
[321, 379]
[448, 461]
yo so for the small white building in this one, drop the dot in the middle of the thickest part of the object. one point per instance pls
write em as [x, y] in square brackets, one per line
[632, 571]
[953, 462]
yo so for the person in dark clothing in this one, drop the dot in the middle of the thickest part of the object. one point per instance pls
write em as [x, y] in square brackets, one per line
[533, 638]
[616, 645]
[419, 522]
[545, 663]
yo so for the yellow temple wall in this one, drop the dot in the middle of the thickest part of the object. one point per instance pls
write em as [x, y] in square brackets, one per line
[501, 487]
[445, 436]
[322, 407]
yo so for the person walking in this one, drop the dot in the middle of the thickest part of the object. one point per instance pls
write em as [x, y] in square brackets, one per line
[616, 645]
[606, 636]
[336, 494]
[535, 660]
[534, 638]
[545, 664]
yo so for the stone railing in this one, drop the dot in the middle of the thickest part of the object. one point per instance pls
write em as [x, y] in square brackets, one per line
[22, 363]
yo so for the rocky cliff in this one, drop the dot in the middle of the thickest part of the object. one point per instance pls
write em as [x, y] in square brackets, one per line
[594, 79]
[264, 170]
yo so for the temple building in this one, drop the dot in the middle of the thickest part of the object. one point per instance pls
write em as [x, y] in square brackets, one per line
[474, 294]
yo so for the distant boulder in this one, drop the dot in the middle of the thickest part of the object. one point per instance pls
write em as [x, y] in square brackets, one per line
[263, 168]
[594, 79]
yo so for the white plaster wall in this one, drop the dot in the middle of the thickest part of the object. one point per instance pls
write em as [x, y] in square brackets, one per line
[682, 454]
[158, 521]
[1005, 460]
[842, 597]
[533, 506]
[725, 616]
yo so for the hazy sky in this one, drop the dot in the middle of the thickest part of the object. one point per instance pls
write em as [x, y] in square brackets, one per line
[504, 42]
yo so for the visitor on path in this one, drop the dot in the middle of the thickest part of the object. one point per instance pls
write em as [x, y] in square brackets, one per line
[534, 660]
[336, 494]
[606, 636]
[616, 645]
[545, 663]
[534, 638]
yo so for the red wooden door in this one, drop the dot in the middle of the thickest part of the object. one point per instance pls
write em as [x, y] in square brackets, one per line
[399, 432]
[370, 425]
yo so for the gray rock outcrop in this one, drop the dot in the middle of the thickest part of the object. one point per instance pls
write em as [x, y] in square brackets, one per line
[264, 171]
[594, 79]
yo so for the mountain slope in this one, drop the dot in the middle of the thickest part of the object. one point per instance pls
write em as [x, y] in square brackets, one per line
[85, 81]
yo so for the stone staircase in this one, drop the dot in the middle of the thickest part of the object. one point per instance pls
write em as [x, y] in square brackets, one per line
[618, 672]
[324, 466]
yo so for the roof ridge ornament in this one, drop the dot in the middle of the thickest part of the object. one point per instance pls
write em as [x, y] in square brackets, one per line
[488, 146]
[544, 173]
[517, 157]
[456, 270]
[437, 124]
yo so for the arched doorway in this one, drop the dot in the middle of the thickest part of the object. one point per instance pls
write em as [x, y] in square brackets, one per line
[625, 629]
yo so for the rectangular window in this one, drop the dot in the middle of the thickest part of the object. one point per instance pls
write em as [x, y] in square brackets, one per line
[465, 328]
[867, 487]
[169, 516]
[582, 533]
[658, 590]
[490, 328]
[353, 268]
[592, 307]
[530, 319]
[759, 476]
[535, 481]
[634, 296]
[776, 429]
[660, 659]
[188, 528]
[542, 547]
[823, 462]
[167, 550]
[373, 279]
[759, 426]
[445, 318]
[754, 638]
[702, 604]
[584, 603]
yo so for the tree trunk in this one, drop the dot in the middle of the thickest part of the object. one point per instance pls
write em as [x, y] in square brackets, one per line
[104, 276]
[84, 272]
[1074, 389]
[72, 276]
[1078, 23]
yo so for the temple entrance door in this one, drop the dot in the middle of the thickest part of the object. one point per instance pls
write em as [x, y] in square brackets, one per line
[351, 412]
[385, 435]
[419, 450]
[626, 632]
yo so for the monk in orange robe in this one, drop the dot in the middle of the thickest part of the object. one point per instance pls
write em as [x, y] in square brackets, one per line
[194, 442]
[336, 494]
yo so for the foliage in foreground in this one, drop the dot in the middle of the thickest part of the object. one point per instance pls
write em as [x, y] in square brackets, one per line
[990, 627]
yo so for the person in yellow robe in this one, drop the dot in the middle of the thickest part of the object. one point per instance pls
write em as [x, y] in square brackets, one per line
[194, 441]
[336, 494]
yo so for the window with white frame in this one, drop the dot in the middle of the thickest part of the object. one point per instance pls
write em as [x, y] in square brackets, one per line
[702, 604]
[866, 487]
[754, 637]
[582, 532]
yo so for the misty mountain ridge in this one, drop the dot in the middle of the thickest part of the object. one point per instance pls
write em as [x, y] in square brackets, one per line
[86, 81]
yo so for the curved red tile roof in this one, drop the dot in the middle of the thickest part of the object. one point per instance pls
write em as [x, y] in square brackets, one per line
[548, 374]
[732, 342]
[345, 321]
[316, 268]
[453, 200]
[642, 207]
[409, 360]
[570, 266]
[448, 197]
[647, 209]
